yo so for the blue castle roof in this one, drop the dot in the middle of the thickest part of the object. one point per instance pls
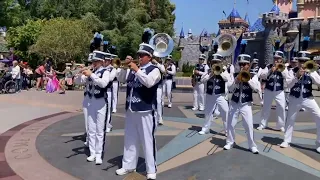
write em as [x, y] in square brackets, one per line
[181, 33]
[234, 13]
[246, 18]
[257, 26]
[275, 9]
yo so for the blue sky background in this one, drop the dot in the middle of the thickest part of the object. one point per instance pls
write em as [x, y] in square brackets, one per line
[199, 14]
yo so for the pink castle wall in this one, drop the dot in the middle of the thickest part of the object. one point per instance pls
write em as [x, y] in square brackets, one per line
[309, 10]
[285, 6]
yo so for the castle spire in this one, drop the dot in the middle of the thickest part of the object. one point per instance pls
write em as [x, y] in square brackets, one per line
[181, 33]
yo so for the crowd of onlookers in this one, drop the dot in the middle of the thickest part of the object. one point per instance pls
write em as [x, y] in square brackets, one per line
[44, 77]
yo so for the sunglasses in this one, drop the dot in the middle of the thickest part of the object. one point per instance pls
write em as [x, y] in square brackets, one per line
[242, 64]
[141, 55]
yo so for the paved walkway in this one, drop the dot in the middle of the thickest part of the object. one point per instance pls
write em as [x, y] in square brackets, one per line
[46, 130]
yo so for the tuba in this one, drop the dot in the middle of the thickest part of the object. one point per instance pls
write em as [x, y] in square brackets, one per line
[163, 45]
[227, 43]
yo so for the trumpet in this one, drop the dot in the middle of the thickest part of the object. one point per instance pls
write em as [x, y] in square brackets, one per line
[217, 69]
[244, 76]
[116, 63]
[125, 64]
[309, 67]
[280, 67]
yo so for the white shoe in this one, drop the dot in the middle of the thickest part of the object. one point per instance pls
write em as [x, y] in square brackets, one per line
[114, 111]
[318, 149]
[260, 128]
[284, 144]
[226, 134]
[169, 105]
[194, 109]
[201, 109]
[228, 146]
[161, 121]
[287, 108]
[98, 161]
[86, 143]
[108, 130]
[123, 171]
[91, 158]
[282, 129]
[303, 109]
[203, 132]
[254, 150]
[151, 176]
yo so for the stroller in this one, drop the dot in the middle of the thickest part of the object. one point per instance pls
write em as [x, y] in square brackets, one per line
[7, 84]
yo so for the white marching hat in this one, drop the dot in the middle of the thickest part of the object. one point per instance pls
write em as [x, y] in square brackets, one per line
[304, 55]
[216, 57]
[98, 56]
[146, 49]
[202, 56]
[108, 57]
[278, 54]
[244, 58]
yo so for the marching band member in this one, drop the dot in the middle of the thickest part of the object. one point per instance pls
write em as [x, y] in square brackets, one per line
[85, 102]
[241, 102]
[274, 90]
[168, 79]
[217, 89]
[293, 64]
[159, 92]
[113, 72]
[300, 84]
[97, 82]
[140, 124]
[115, 90]
[198, 90]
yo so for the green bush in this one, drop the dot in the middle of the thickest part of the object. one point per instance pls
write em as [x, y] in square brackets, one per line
[187, 74]
[186, 68]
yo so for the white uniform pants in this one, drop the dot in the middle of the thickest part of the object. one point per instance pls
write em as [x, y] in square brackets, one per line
[140, 129]
[159, 105]
[109, 105]
[294, 107]
[213, 102]
[115, 90]
[167, 87]
[246, 112]
[85, 105]
[198, 95]
[96, 126]
[280, 99]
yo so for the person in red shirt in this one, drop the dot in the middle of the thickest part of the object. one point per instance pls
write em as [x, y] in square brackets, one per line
[39, 73]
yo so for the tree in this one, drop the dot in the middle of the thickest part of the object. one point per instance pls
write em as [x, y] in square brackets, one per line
[63, 40]
[21, 37]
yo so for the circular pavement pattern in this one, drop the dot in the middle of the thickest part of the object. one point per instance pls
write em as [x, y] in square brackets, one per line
[54, 144]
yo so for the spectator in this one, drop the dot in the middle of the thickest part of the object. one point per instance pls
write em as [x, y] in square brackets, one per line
[16, 74]
[40, 72]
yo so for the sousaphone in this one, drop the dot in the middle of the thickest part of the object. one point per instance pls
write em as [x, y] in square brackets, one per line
[227, 43]
[163, 45]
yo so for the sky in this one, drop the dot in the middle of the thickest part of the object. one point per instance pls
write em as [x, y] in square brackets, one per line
[205, 14]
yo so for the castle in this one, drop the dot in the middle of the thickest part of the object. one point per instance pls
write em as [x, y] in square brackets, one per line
[282, 26]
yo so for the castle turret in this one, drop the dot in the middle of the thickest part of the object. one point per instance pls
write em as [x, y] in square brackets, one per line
[272, 21]
[234, 24]
[189, 33]
[181, 33]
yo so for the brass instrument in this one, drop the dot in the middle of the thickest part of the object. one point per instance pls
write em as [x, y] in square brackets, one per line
[280, 67]
[227, 43]
[125, 64]
[163, 45]
[217, 69]
[244, 75]
[116, 63]
[309, 66]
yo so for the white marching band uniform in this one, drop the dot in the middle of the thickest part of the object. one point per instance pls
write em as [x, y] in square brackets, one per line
[198, 89]
[301, 97]
[241, 103]
[115, 91]
[112, 76]
[274, 90]
[160, 93]
[168, 80]
[97, 109]
[140, 123]
[216, 97]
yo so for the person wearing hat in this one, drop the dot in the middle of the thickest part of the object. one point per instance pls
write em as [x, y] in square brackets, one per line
[140, 123]
[274, 90]
[300, 84]
[168, 79]
[198, 90]
[292, 64]
[108, 66]
[96, 83]
[241, 103]
[160, 90]
[217, 90]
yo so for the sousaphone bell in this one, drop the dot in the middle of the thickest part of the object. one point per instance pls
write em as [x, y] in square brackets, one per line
[227, 43]
[163, 45]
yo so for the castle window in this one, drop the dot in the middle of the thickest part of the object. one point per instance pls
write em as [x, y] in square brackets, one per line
[317, 36]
